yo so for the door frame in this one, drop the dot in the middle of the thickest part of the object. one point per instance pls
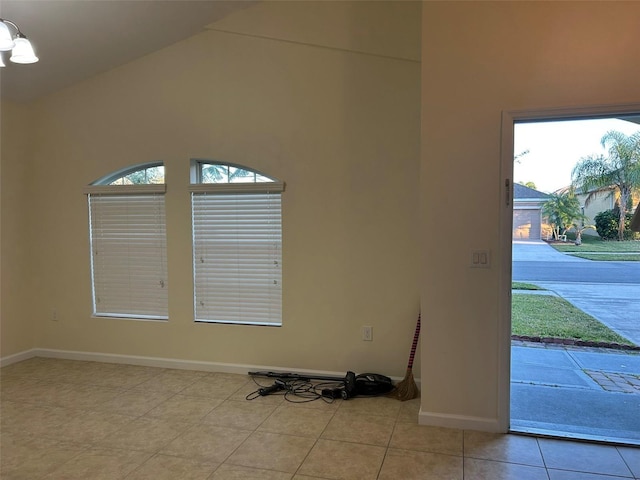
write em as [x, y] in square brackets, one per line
[509, 119]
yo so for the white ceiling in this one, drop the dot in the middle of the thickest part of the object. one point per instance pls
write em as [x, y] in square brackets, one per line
[76, 39]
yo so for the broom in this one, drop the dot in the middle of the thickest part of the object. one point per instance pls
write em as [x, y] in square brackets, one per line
[407, 389]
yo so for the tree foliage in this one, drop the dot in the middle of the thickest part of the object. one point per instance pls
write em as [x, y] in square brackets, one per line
[564, 211]
[528, 184]
[617, 172]
[607, 225]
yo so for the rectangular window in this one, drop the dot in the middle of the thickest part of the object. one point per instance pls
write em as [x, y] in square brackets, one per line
[237, 254]
[128, 251]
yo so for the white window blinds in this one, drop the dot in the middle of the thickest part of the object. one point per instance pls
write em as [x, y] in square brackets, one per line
[128, 251]
[237, 254]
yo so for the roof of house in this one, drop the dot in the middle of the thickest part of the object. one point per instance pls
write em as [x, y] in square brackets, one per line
[522, 192]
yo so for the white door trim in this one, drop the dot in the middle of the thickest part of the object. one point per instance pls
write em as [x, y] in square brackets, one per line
[509, 118]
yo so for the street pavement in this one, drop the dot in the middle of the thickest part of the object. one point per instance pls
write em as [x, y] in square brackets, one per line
[615, 302]
[575, 392]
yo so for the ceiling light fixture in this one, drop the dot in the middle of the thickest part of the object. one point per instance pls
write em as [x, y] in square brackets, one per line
[20, 46]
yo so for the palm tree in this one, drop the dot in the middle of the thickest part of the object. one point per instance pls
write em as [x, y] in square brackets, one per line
[563, 212]
[619, 170]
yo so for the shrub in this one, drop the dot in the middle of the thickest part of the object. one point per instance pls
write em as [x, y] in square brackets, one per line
[607, 225]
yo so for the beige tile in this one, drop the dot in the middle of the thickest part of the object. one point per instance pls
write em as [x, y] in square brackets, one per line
[134, 402]
[356, 428]
[307, 477]
[409, 411]
[206, 443]
[38, 420]
[40, 393]
[502, 448]
[24, 368]
[183, 408]
[475, 469]
[235, 472]
[342, 460]
[249, 390]
[243, 414]
[62, 419]
[10, 383]
[272, 451]
[296, 421]
[216, 385]
[39, 368]
[88, 373]
[171, 381]
[319, 403]
[145, 434]
[126, 376]
[383, 406]
[27, 457]
[583, 457]
[411, 465]
[99, 464]
[90, 427]
[164, 467]
[86, 396]
[427, 439]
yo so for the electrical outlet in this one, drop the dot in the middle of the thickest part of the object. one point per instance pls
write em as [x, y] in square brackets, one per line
[54, 314]
[367, 334]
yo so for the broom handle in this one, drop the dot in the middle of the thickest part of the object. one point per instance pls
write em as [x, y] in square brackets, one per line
[414, 345]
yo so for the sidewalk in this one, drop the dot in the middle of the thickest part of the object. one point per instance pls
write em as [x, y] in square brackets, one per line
[576, 392]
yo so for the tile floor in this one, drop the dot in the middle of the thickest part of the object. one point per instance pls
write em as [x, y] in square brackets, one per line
[63, 419]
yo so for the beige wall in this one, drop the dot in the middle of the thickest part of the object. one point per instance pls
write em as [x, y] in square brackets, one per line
[478, 59]
[16, 320]
[340, 127]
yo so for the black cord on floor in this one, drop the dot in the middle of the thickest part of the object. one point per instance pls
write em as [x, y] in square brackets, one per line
[296, 391]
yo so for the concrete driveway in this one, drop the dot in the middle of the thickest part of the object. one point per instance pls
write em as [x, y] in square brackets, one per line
[617, 305]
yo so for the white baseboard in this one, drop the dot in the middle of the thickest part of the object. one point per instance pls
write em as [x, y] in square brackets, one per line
[18, 357]
[241, 369]
[461, 422]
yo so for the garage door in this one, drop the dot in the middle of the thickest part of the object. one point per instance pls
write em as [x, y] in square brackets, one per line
[526, 224]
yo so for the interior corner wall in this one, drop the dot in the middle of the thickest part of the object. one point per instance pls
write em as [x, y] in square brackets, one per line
[478, 60]
[16, 322]
[340, 128]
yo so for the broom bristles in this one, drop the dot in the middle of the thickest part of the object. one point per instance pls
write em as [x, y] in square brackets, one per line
[406, 389]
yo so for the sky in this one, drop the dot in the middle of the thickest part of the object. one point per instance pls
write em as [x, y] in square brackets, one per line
[555, 147]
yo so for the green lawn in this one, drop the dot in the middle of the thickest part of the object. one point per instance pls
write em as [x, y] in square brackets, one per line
[550, 316]
[609, 257]
[594, 248]
[525, 286]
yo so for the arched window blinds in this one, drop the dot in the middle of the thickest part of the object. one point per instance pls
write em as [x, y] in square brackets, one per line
[237, 245]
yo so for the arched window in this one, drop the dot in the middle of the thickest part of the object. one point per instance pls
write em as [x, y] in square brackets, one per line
[146, 174]
[128, 243]
[237, 244]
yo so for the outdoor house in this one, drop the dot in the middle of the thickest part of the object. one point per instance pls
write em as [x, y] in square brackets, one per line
[594, 202]
[527, 213]
[599, 202]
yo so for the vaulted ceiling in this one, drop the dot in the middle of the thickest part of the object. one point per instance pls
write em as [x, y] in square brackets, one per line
[76, 39]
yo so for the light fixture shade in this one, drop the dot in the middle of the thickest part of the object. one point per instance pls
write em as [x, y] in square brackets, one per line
[6, 40]
[23, 51]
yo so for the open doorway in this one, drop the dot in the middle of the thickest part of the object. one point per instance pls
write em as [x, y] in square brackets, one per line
[575, 362]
